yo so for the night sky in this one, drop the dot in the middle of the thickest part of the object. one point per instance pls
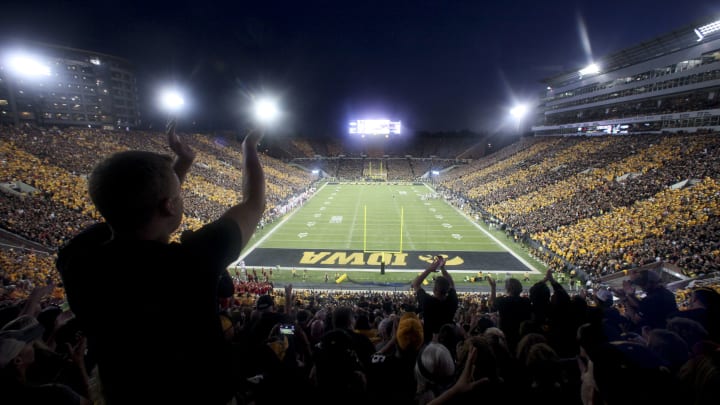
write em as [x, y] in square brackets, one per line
[435, 65]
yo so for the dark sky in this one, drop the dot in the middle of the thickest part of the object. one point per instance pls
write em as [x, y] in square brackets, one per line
[435, 65]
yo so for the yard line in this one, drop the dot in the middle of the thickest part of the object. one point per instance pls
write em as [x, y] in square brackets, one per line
[407, 235]
[348, 242]
[491, 236]
[278, 226]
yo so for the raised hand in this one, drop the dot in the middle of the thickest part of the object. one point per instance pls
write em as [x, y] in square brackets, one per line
[491, 281]
[181, 150]
[437, 263]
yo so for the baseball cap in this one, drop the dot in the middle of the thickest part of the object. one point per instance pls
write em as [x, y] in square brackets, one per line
[12, 343]
[604, 295]
[28, 327]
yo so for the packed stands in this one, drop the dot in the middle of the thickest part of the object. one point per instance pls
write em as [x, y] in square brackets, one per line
[602, 205]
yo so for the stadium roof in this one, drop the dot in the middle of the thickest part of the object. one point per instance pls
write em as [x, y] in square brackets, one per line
[662, 45]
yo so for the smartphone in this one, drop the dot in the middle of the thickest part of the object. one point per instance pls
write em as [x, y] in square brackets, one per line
[287, 329]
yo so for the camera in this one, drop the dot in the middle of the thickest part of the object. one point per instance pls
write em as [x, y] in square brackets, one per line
[287, 329]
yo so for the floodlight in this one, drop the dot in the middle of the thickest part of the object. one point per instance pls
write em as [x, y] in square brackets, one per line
[315, 171]
[518, 111]
[171, 100]
[28, 66]
[590, 69]
[434, 172]
[266, 111]
[705, 30]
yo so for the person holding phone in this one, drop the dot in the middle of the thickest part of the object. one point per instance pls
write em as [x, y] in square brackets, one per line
[439, 308]
[119, 276]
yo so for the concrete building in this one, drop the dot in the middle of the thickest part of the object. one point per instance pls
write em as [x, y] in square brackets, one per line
[54, 85]
[668, 84]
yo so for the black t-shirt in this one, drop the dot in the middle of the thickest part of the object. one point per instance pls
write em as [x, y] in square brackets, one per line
[150, 312]
[656, 306]
[393, 378]
[512, 311]
[436, 312]
[14, 393]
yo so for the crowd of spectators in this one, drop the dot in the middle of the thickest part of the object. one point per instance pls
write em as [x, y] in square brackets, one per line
[605, 203]
[562, 193]
[606, 346]
[56, 162]
[602, 204]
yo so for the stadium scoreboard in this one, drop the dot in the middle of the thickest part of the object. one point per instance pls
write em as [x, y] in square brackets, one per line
[375, 127]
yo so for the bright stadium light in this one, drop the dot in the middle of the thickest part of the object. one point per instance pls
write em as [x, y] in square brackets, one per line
[266, 111]
[171, 100]
[591, 69]
[519, 111]
[28, 66]
[706, 30]
[23, 66]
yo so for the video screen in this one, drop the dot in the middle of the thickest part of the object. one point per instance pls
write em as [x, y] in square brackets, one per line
[375, 127]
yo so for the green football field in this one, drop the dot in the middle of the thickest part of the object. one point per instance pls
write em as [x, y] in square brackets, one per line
[355, 228]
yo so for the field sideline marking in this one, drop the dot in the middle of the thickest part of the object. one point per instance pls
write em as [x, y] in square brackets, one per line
[272, 231]
[523, 261]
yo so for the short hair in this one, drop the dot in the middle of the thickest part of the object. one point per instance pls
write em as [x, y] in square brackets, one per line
[342, 318]
[708, 297]
[486, 362]
[542, 362]
[513, 286]
[690, 330]
[669, 346]
[303, 316]
[526, 343]
[645, 278]
[128, 186]
[539, 294]
[442, 285]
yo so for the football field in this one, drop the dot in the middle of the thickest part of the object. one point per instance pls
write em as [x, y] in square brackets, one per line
[358, 227]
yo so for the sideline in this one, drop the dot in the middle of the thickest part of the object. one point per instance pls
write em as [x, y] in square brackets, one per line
[272, 231]
[491, 236]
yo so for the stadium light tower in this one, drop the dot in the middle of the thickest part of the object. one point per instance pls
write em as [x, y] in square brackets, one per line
[21, 65]
[171, 101]
[266, 111]
[28, 66]
[518, 113]
[591, 69]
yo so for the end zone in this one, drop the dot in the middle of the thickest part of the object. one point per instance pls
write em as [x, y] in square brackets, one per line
[411, 261]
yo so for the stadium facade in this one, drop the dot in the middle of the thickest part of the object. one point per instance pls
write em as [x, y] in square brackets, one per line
[71, 87]
[668, 84]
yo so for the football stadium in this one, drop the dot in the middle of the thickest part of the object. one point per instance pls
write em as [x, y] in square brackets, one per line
[574, 257]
